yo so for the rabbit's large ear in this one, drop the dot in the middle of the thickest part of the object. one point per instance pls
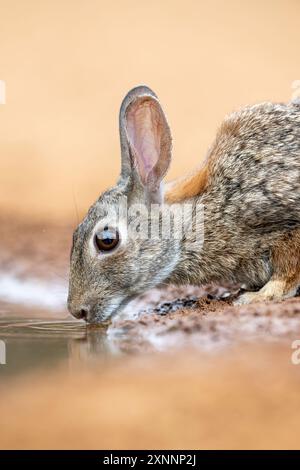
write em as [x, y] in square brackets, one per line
[146, 141]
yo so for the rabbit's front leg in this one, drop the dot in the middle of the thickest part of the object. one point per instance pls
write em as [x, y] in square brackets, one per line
[274, 290]
[285, 279]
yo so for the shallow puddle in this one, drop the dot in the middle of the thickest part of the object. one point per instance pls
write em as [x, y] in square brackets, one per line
[33, 343]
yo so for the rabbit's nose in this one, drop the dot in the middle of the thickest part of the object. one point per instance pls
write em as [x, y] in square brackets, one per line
[81, 313]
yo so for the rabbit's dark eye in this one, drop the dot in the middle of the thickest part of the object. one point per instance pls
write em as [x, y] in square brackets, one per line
[107, 239]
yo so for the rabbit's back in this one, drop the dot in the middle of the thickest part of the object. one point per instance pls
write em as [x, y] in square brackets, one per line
[254, 167]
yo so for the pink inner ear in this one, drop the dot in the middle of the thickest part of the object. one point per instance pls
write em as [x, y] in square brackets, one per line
[144, 129]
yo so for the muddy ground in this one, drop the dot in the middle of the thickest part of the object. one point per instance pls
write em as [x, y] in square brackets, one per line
[188, 370]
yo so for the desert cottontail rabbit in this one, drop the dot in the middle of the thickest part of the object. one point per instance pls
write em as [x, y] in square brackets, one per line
[249, 187]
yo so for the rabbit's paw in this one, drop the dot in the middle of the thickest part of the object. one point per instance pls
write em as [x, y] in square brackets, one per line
[274, 290]
[248, 298]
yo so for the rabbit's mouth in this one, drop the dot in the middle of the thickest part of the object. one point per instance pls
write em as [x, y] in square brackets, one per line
[102, 316]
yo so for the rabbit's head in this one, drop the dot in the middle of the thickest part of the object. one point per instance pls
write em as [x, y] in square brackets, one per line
[114, 257]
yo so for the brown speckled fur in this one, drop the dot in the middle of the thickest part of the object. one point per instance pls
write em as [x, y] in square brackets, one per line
[252, 196]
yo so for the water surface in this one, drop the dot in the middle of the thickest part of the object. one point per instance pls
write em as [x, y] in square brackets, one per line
[35, 343]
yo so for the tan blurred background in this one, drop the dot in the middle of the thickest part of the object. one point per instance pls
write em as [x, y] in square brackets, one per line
[67, 65]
